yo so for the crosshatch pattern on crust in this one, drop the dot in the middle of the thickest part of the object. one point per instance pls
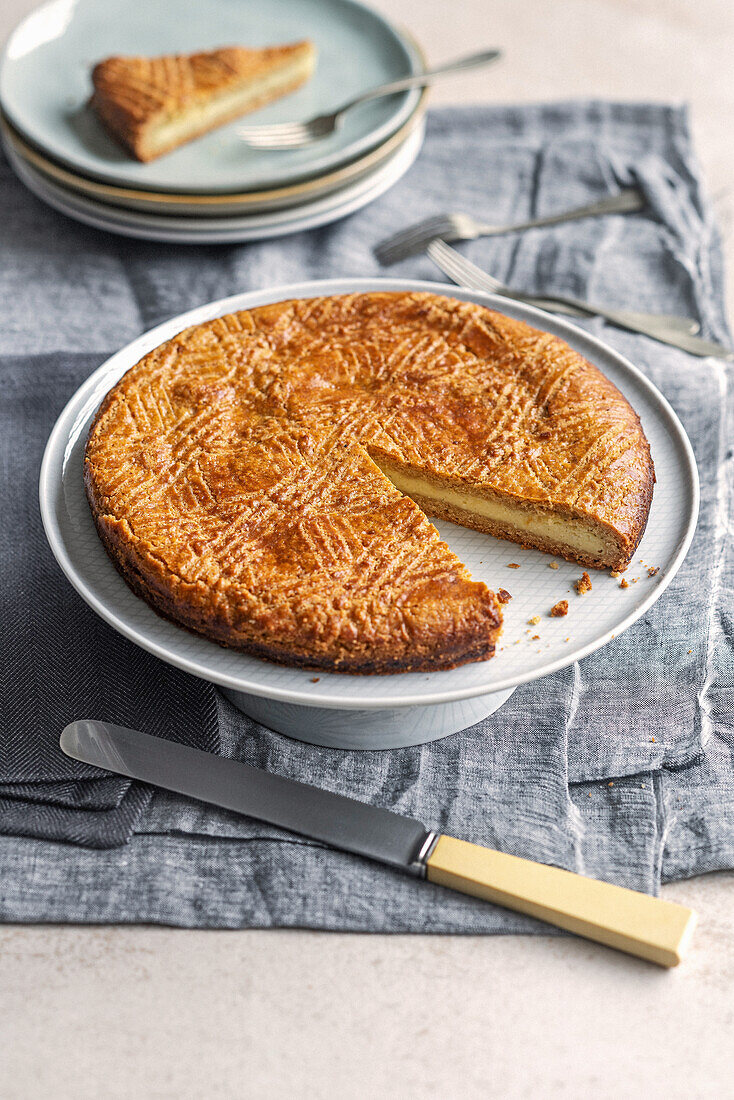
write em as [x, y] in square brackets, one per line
[133, 94]
[230, 476]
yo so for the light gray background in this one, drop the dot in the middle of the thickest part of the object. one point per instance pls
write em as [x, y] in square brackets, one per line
[153, 1012]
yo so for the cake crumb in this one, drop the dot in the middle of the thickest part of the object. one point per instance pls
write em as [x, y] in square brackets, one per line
[534, 621]
[623, 583]
[653, 740]
[690, 651]
[315, 679]
[559, 610]
[535, 638]
[513, 565]
[567, 639]
[653, 571]
[589, 794]
[504, 596]
[583, 584]
[614, 573]
[553, 565]
[610, 783]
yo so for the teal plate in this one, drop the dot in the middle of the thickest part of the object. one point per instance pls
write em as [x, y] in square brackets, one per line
[45, 85]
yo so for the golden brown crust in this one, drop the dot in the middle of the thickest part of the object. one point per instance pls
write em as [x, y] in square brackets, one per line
[445, 653]
[230, 480]
[361, 582]
[134, 94]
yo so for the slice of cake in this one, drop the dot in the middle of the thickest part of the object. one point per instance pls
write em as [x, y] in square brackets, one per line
[154, 104]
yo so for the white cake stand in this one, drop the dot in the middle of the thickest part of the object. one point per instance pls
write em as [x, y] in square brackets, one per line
[352, 728]
[380, 712]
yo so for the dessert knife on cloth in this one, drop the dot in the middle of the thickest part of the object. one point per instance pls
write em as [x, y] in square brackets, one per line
[636, 923]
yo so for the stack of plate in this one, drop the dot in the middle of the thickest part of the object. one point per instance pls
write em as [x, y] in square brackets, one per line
[215, 189]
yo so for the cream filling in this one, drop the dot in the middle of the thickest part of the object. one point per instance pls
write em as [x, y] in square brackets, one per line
[208, 115]
[566, 532]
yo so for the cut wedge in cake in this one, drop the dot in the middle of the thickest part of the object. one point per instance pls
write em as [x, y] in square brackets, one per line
[153, 105]
[531, 523]
[264, 478]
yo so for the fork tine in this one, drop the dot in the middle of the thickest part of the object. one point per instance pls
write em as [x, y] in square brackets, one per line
[266, 132]
[273, 133]
[417, 229]
[410, 247]
[274, 128]
[253, 138]
[295, 135]
[446, 263]
[456, 264]
[461, 270]
[292, 143]
[412, 240]
[266, 141]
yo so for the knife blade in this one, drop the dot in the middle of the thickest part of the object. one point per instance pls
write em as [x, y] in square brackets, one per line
[639, 924]
[321, 815]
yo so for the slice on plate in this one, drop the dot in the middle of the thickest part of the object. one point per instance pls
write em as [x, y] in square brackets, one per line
[154, 104]
[263, 478]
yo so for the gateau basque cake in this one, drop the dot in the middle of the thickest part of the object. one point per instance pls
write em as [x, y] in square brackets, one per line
[153, 105]
[264, 478]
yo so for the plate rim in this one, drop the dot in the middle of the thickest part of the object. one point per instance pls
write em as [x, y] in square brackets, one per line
[128, 355]
[282, 196]
[362, 147]
[202, 229]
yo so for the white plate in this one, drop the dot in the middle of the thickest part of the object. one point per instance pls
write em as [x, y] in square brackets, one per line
[193, 230]
[222, 205]
[592, 620]
[45, 85]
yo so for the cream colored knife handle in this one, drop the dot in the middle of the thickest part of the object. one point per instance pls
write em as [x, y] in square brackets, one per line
[637, 923]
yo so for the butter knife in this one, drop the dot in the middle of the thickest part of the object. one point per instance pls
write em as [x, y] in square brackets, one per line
[648, 927]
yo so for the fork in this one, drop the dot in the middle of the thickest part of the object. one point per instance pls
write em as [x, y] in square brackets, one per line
[293, 135]
[464, 272]
[463, 227]
[676, 331]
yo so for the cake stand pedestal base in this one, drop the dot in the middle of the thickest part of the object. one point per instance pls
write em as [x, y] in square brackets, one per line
[392, 728]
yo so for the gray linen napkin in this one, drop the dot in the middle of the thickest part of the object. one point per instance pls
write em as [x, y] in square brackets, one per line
[620, 766]
[58, 660]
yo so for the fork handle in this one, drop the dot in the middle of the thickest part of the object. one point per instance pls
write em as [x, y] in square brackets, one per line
[663, 321]
[624, 202]
[644, 322]
[656, 327]
[419, 80]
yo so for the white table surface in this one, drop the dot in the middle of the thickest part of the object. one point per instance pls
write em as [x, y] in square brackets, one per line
[154, 1012]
